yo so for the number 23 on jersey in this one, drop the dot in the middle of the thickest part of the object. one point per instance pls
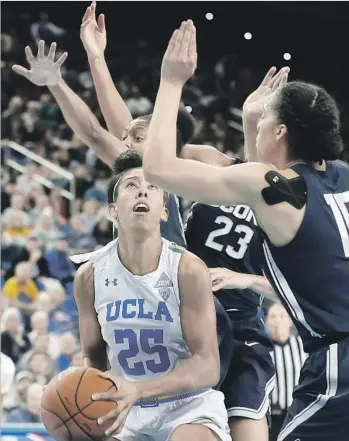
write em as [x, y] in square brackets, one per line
[244, 232]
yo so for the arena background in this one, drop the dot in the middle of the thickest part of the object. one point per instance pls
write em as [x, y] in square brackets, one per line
[230, 66]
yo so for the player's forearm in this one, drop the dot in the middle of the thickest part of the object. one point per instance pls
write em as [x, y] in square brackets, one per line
[160, 148]
[75, 112]
[250, 137]
[114, 109]
[193, 374]
[85, 125]
[205, 154]
[97, 361]
[261, 285]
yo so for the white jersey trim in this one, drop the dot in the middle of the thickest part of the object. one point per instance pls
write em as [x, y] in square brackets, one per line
[285, 291]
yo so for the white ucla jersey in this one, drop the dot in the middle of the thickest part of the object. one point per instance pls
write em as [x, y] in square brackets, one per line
[139, 315]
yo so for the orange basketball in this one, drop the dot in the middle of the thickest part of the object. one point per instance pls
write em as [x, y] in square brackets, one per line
[67, 409]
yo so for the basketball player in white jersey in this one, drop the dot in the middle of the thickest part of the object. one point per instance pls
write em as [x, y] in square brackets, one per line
[148, 304]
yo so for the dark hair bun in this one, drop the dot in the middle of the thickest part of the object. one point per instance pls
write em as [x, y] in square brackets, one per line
[312, 119]
[126, 161]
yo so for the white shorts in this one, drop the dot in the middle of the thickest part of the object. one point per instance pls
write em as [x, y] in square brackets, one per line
[155, 420]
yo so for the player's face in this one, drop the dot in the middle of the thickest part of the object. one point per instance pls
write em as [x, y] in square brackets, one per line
[135, 135]
[270, 134]
[139, 204]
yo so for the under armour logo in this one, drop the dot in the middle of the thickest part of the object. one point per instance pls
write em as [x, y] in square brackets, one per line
[275, 180]
[113, 281]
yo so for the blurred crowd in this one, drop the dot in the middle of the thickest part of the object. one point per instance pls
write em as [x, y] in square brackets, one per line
[40, 228]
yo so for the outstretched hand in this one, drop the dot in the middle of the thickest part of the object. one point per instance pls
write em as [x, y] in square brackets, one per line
[223, 278]
[180, 59]
[93, 33]
[44, 71]
[254, 105]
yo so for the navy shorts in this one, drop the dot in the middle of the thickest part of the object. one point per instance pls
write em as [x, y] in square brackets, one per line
[320, 406]
[225, 336]
[251, 375]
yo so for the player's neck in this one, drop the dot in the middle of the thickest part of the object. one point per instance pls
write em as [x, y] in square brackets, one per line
[140, 256]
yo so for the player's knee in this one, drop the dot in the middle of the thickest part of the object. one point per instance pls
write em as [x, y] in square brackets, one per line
[193, 432]
[247, 429]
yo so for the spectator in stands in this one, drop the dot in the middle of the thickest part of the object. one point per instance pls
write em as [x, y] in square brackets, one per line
[80, 241]
[16, 232]
[30, 412]
[14, 341]
[21, 290]
[8, 370]
[44, 302]
[103, 231]
[41, 365]
[44, 29]
[60, 266]
[11, 119]
[17, 396]
[16, 209]
[68, 347]
[42, 206]
[90, 215]
[32, 253]
[40, 344]
[40, 327]
[97, 192]
[26, 183]
[54, 289]
[48, 111]
[138, 104]
[46, 231]
[31, 128]
[82, 184]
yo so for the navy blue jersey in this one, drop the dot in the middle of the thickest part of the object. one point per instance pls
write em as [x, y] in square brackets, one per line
[224, 237]
[171, 230]
[311, 273]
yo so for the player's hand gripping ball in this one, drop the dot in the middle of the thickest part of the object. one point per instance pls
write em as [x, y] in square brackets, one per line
[67, 409]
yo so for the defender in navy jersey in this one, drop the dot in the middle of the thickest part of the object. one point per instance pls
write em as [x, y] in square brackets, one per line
[224, 236]
[300, 200]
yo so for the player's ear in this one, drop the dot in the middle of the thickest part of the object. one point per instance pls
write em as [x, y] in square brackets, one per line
[164, 214]
[281, 131]
[113, 211]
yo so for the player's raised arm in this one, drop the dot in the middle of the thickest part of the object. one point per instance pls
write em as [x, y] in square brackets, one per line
[92, 343]
[254, 105]
[190, 179]
[94, 38]
[45, 71]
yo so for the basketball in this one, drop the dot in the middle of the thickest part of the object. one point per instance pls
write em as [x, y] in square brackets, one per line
[67, 409]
